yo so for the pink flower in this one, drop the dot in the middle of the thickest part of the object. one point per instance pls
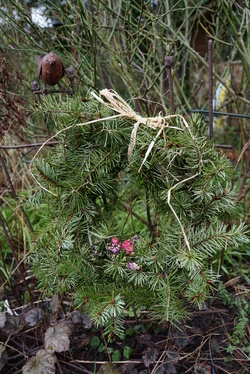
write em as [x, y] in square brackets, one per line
[115, 241]
[127, 246]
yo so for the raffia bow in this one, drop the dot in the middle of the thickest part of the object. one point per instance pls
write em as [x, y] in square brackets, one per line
[119, 105]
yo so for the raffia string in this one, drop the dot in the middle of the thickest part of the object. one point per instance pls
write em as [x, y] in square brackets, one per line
[116, 103]
[119, 105]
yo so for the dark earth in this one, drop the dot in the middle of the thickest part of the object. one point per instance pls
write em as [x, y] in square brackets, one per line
[198, 345]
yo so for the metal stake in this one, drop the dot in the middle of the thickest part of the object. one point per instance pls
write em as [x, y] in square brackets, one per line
[210, 73]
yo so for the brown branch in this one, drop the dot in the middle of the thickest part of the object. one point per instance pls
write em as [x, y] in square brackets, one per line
[48, 92]
[223, 146]
[243, 193]
[150, 225]
[127, 207]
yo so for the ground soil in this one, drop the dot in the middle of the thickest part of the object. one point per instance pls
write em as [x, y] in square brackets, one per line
[198, 345]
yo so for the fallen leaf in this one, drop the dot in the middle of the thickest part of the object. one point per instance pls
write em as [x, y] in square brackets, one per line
[76, 317]
[232, 282]
[169, 365]
[128, 369]
[145, 339]
[202, 369]
[215, 345]
[2, 319]
[34, 316]
[181, 337]
[14, 325]
[108, 368]
[168, 368]
[42, 363]
[79, 317]
[149, 356]
[57, 338]
[55, 302]
[3, 356]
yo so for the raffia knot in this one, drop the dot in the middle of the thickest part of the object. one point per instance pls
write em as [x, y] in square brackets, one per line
[119, 105]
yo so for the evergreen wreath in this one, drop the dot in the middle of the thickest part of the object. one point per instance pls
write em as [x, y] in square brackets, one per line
[139, 211]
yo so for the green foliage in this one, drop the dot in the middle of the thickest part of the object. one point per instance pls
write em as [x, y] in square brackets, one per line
[99, 194]
[116, 355]
[239, 335]
[127, 352]
[112, 237]
[95, 342]
[21, 237]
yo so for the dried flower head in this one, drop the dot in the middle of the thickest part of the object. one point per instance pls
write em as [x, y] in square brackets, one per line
[114, 246]
[128, 247]
[133, 266]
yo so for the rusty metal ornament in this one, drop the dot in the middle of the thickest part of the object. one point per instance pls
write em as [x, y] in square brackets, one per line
[50, 68]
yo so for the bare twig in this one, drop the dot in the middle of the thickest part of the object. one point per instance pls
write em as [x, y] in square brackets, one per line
[243, 193]
[127, 207]
[28, 145]
[224, 146]
[240, 157]
[149, 217]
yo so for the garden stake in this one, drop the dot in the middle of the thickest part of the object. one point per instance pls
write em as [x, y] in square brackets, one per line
[218, 113]
[210, 73]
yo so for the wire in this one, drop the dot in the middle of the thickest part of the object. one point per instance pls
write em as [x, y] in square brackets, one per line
[216, 113]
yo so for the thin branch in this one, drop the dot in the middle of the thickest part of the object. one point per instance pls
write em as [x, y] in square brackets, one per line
[224, 146]
[243, 193]
[149, 217]
[125, 206]
[29, 145]
[169, 61]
